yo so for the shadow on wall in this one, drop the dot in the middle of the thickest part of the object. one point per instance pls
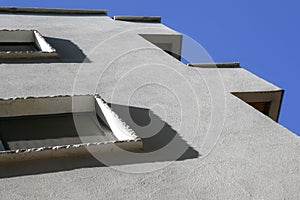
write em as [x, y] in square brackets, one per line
[68, 52]
[154, 150]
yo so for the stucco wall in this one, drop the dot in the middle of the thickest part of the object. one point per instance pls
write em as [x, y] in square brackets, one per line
[253, 157]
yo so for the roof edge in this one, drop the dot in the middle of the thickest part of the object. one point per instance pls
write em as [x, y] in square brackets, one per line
[216, 65]
[51, 11]
[148, 19]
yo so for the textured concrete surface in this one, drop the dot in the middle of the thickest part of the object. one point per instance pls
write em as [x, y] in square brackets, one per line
[253, 158]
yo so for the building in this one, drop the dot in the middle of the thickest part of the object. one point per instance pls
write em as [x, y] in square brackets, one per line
[202, 131]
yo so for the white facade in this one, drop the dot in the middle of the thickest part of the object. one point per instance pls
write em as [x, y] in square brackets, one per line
[199, 142]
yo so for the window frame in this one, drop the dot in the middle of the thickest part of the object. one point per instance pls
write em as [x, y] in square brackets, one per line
[44, 49]
[33, 106]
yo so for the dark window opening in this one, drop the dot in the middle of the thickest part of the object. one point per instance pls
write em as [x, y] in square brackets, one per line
[18, 47]
[168, 49]
[172, 54]
[28, 132]
[263, 107]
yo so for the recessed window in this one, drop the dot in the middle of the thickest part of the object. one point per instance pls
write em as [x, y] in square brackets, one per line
[171, 44]
[263, 107]
[14, 46]
[46, 123]
[267, 102]
[37, 131]
[28, 44]
[168, 49]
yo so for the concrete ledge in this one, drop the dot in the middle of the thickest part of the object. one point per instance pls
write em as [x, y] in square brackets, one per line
[51, 11]
[138, 19]
[216, 65]
[71, 150]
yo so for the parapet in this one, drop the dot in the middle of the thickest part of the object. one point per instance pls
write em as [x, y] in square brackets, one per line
[149, 19]
[51, 11]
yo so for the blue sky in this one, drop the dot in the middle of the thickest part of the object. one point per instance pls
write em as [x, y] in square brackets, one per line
[262, 35]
